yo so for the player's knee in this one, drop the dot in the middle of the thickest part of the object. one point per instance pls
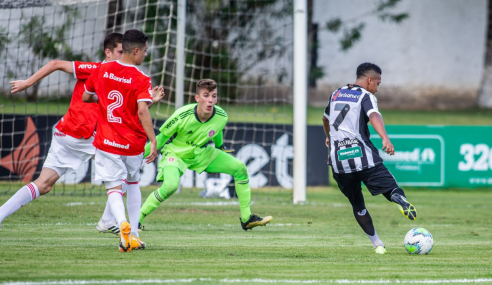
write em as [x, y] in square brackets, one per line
[240, 171]
[44, 189]
[168, 188]
[44, 186]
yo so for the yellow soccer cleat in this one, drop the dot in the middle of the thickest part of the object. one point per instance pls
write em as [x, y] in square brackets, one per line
[380, 250]
[406, 208]
[255, 221]
[125, 239]
[137, 243]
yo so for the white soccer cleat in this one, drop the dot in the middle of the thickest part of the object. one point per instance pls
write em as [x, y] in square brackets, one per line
[111, 228]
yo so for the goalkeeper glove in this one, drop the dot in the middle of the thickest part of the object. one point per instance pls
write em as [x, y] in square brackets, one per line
[225, 149]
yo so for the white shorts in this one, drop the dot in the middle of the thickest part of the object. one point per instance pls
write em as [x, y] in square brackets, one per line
[68, 153]
[112, 168]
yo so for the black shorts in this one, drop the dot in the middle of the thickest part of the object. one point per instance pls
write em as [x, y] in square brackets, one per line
[377, 179]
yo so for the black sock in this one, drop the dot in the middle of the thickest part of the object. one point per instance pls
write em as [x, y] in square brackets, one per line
[365, 221]
[388, 194]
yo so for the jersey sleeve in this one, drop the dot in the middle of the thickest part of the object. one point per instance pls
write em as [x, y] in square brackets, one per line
[327, 109]
[370, 104]
[83, 70]
[161, 141]
[218, 139]
[91, 82]
[171, 125]
[144, 91]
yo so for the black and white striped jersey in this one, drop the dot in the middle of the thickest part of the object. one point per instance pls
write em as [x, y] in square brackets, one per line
[348, 112]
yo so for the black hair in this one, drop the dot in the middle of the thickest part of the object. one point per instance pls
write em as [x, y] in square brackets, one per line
[112, 40]
[365, 67]
[133, 39]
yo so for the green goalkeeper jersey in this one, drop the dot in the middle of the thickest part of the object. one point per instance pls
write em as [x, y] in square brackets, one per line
[190, 134]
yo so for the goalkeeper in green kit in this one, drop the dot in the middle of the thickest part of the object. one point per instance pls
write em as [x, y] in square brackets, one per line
[192, 127]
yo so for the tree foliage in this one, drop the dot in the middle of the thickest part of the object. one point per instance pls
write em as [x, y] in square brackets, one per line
[219, 34]
[351, 29]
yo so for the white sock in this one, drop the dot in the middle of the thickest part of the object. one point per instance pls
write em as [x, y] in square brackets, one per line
[133, 204]
[115, 201]
[23, 196]
[375, 240]
[107, 216]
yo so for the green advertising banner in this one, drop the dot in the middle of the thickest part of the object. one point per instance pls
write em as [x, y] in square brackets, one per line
[439, 156]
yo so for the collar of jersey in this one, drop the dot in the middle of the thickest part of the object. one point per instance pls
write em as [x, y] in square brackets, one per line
[125, 64]
[354, 85]
[198, 119]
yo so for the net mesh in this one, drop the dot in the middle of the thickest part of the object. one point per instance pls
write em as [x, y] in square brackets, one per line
[246, 46]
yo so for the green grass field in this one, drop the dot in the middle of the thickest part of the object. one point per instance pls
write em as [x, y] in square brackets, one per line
[194, 240]
[271, 114]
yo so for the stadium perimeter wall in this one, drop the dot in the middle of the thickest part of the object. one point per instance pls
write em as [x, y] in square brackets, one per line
[432, 60]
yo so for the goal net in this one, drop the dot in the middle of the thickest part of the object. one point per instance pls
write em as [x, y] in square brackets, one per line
[246, 46]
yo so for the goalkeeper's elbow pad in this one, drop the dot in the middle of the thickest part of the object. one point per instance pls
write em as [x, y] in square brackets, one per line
[225, 149]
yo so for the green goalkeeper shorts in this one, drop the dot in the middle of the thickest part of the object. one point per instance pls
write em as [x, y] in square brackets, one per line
[199, 163]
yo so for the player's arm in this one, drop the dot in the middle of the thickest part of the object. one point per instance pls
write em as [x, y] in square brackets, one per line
[378, 124]
[50, 67]
[146, 120]
[326, 128]
[326, 123]
[161, 141]
[370, 107]
[89, 95]
[219, 142]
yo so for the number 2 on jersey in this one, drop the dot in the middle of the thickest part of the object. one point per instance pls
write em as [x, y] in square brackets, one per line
[114, 95]
[343, 108]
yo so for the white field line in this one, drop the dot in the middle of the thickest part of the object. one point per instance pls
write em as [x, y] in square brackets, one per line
[249, 281]
[226, 203]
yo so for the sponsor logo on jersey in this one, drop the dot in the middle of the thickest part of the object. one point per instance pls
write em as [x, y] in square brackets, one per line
[58, 134]
[335, 96]
[347, 142]
[349, 153]
[172, 122]
[150, 90]
[211, 133]
[348, 95]
[116, 78]
[86, 65]
[114, 144]
[171, 159]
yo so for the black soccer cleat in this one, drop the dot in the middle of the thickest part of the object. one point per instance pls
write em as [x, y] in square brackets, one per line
[406, 208]
[255, 221]
[140, 227]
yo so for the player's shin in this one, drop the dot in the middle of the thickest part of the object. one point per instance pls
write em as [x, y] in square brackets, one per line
[244, 196]
[133, 203]
[23, 196]
[152, 202]
[115, 200]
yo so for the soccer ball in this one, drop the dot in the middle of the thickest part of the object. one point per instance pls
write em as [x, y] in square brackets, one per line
[418, 241]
